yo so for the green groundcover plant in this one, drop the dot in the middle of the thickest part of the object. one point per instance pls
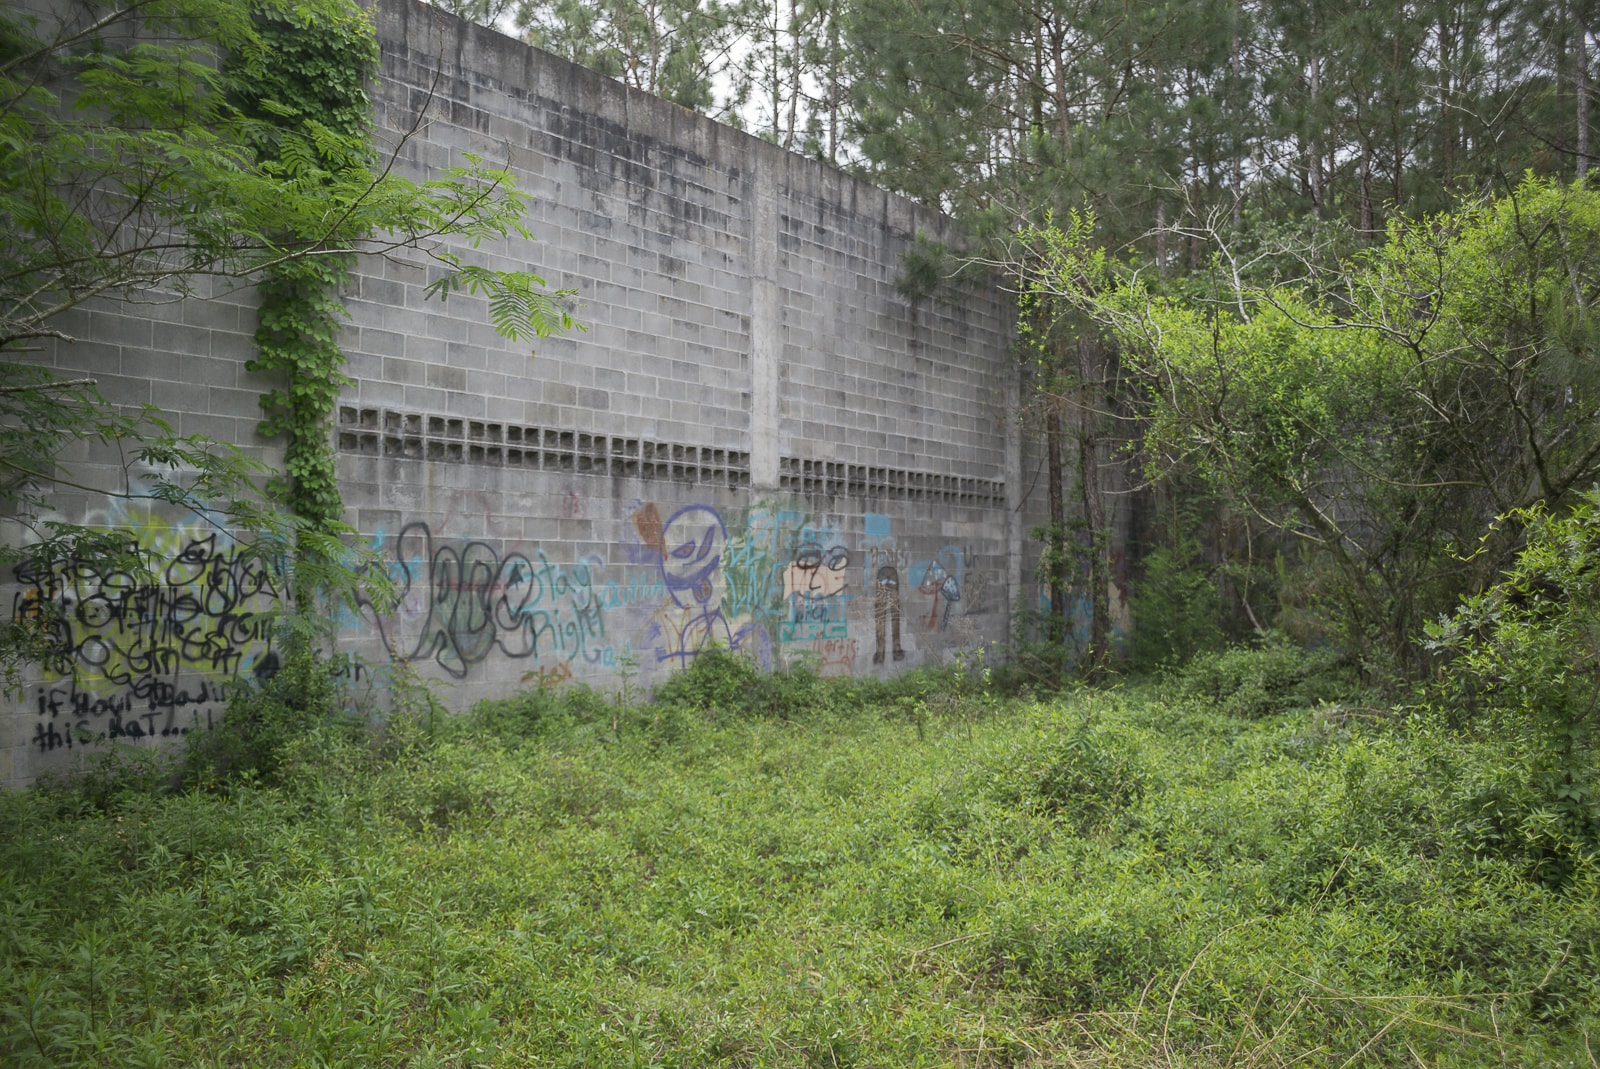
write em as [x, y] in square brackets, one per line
[910, 874]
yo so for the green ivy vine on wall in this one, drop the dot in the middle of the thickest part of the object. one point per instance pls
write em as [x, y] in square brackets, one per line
[309, 73]
[301, 86]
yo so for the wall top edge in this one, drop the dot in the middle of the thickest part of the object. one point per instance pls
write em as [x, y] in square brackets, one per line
[416, 27]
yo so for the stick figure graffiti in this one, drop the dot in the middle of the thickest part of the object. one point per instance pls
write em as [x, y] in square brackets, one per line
[886, 609]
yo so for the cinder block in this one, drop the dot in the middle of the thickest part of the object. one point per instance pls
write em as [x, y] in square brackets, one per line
[458, 403]
[430, 351]
[425, 399]
[80, 359]
[375, 392]
[217, 315]
[362, 365]
[126, 326]
[234, 347]
[446, 378]
[382, 342]
[220, 428]
[473, 356]
[487, 385]
[220, 401]
[381, 293]
[124, 390]
[153, 364]
[180, 338]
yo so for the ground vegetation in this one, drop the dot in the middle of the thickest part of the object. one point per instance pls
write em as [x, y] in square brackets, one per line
[1243, 865]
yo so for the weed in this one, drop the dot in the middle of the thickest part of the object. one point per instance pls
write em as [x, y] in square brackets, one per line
[267, 718]
[788, 876]
[1271, 677]
[1089, 777]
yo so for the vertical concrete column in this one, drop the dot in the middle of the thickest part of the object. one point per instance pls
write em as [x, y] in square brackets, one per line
[766, 314]
[1011, 464]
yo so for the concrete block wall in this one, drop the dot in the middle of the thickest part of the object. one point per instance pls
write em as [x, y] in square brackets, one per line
[745, 366]
[867, 376]
[523, 577]
[755, 442]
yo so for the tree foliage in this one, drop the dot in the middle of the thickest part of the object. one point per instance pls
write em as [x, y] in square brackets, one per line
[672, 48]
[1386, 417]
[1525, 654]
[130, 162]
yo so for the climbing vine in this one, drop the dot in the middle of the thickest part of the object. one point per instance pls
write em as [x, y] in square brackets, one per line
[297, 333]
[300, 88]
[308, 75]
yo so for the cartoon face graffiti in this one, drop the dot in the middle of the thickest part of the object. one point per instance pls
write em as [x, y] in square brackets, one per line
[815, 576]
[692, 542]
[692, 545]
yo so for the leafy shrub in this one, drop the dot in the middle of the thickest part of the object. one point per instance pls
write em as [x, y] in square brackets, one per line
[1176, 607]
[107, 778]
[1525, 659]
[1530, 644]
[724, 683]
[795, 693]
[1519, 812]
[415, 717]
[1036, 667]
[452, 786]
[1089, 777]
[267, 718]
[717, 679]
[1083, 955]
[1257, 681]
[540, 713]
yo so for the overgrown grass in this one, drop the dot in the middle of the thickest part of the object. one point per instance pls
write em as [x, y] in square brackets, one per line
[794, 873]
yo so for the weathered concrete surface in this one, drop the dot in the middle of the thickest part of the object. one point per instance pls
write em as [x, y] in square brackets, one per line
[755, 442]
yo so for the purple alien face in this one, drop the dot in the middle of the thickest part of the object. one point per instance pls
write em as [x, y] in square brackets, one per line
[691, 560]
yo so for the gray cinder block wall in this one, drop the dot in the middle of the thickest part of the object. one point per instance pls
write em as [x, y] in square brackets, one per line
[754, 442]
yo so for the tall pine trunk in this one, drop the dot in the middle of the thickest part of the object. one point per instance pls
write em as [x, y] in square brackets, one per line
[1581, 89]
[1056, 540]
[1314, 149]
[1090, 391]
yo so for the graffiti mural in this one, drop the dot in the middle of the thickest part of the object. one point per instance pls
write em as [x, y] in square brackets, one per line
[553, 676]
[461, 601]
[755, 564]
[155, 632]
[814, 590]
[883, 561]
[940, 579]
[835, 656]
[147, 633]
[689, 547]
[886, 610]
